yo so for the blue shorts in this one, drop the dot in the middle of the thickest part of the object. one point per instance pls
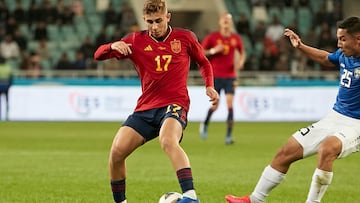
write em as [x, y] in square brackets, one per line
[148, 123]
[226, 84]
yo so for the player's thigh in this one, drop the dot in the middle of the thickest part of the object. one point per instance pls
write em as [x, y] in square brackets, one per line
[228, 85]
[127, 140]
[310, 138]
[350, 140]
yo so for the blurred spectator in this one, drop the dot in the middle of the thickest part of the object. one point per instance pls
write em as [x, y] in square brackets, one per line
[64, 62]
[9, 49]
[32, 65]
[311, 39]
[60, 7]
[259, 32]
[127, 17]
[33, 14]
[320, 16]
[303, 3]
[275, 30]
[288, 3]
[40, 31]
[111, 17]
[110, 67]
[4, 11]
[117, 34]
[11, 25]
[259, 12]
[294, 26]
[43, 50]
[325, 41]
[79, 62]
[78, 8]
[338, 10]
[243, 25]
[101, 38]
[48, 12]
[102, 5]
[87, 48]
[282, 64]
[19, 13]
[21, 40]
[66, 17]
[269, 56]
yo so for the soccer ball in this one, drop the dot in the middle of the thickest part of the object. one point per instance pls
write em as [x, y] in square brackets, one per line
[170, 197]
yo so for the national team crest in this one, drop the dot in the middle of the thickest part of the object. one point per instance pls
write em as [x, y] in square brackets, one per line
[175, 46]
[357, 72]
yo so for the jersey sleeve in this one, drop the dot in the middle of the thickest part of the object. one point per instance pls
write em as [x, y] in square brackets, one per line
[197, 54]
[206, 42]
[240, 44]
[104, 51]
[334, 57]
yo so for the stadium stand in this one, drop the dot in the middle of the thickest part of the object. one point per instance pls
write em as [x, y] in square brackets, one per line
[86, 19]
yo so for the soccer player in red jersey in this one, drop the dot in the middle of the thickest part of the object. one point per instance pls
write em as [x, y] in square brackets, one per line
[161, 55]
[220, 47]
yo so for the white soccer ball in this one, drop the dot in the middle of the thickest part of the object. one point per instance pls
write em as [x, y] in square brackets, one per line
[170, 197]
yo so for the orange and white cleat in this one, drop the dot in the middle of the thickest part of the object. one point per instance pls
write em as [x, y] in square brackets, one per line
[234, 199]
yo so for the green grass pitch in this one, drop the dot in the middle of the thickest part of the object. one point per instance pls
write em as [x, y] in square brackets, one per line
[66, 162]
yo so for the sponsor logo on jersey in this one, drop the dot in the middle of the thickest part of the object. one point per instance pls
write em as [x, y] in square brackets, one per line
[148, 48]
[175, 46]
[357, 72]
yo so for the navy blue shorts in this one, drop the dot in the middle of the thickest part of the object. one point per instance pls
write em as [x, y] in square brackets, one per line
[148, 123]
[226, 84]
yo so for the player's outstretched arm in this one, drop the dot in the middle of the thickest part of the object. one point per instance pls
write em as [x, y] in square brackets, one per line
[121, 47]
[213, 95]
[318, 55]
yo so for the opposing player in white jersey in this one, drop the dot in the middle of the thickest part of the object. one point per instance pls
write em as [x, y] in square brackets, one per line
[333, 137]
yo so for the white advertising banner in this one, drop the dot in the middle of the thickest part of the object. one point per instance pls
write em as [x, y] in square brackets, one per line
[78, 103]
[109, 103]
[270, 104]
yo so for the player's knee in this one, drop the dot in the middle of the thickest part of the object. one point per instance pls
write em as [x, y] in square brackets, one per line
[116, 155]
[166, 143]
[288, 154]
[330, 148]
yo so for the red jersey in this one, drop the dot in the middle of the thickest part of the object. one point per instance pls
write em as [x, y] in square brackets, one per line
[162, 66]
[223, 63]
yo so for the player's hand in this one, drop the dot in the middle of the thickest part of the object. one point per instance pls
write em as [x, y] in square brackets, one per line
[214, 96]
[121, 47]
[235, 83]
[218, 48]
[294, 38]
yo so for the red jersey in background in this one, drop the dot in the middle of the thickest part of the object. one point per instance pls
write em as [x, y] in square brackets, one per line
[223, 63]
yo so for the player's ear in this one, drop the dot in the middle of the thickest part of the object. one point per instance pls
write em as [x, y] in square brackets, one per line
[357, 37]
[168, 16]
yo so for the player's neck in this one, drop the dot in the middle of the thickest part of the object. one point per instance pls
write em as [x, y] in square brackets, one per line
[162, 38]
[225, 32]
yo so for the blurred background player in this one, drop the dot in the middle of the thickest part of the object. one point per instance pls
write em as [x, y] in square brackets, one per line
[335, 136]
[5, 83]
[161, 54]
[220, 47]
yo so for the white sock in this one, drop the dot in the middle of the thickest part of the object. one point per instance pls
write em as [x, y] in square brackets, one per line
[191, 194]
[320, 182]
[269, 179]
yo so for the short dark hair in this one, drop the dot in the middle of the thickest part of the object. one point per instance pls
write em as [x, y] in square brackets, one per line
[351, 24]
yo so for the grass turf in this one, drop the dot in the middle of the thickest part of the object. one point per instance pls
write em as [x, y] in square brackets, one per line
[66, 162]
